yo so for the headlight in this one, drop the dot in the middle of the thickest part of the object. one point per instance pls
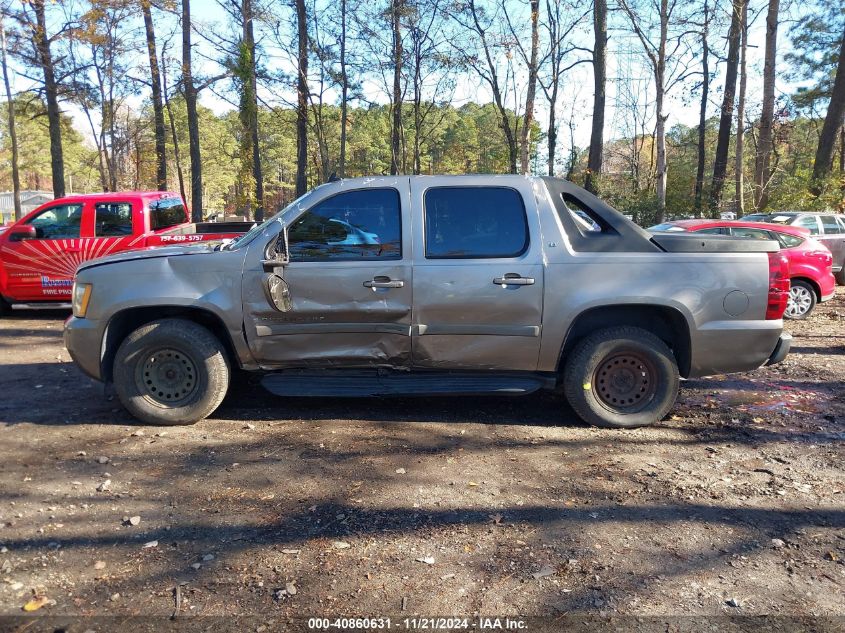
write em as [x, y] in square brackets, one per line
[81, 297]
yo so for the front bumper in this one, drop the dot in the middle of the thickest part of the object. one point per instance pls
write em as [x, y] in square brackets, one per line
[83, 339]
[781, 349]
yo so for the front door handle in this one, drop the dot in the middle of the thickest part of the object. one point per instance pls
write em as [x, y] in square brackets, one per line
[384, 282]
[513, 279]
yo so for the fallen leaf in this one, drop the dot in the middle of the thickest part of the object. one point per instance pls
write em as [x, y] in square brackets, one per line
[341, 545]
[546, 570]
[36, 603]
[428, 560]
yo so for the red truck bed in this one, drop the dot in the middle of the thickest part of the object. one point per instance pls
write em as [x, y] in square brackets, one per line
[39, 254]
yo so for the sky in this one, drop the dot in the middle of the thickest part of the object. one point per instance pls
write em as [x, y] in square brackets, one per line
[576, 90]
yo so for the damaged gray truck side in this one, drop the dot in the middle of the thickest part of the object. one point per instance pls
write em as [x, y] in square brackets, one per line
[430, 285]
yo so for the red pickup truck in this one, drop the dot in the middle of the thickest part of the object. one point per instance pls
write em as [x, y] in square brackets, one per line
[40, 253]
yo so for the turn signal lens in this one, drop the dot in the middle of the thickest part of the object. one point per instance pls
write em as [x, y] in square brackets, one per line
[81, 298]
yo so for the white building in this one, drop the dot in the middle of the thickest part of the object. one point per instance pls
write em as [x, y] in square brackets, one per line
[29, 200]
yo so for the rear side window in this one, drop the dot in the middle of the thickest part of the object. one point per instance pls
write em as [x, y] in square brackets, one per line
[716, 230]
[112, 219]
[789, 241]
[841, 221]
[751, 234]
[166, 213]
[355, 225]
[809, 222]
[474, 222]
[831, 227]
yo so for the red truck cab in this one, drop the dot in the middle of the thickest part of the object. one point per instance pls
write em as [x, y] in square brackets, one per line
[40, 253]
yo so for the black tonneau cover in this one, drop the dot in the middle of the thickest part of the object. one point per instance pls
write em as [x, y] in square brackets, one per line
[691, 243]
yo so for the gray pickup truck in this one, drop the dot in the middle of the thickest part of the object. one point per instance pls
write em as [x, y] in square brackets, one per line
[431, 285]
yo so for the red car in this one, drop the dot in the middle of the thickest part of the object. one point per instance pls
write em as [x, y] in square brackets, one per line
[810, 261]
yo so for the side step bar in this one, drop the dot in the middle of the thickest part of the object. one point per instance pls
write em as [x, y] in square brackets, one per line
[46, 305]
[361, 384]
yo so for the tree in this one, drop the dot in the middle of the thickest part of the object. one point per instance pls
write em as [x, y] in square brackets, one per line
[740, 116]
[532, 87]
[158, 109]
[301, 98]
[248, 111]
[594, 160]
[13, 137]
[396, 7]
[51, 93]
[765, 144]
[668, 65]
[190, 92]
[720, 164]
[702, 114]
[832, 124]
[344, 90]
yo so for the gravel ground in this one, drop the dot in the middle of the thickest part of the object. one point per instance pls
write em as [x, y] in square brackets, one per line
[437, 506]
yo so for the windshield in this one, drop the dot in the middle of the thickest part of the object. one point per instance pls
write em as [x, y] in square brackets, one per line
[246, 238]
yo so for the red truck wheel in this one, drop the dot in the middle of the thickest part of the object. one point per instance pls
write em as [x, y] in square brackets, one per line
[621, 377]
[171, 372]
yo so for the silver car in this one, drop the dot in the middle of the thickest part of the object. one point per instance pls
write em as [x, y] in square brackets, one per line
[433, 285]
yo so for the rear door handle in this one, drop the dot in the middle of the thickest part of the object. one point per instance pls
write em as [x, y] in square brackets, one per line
[384, 282]
[513, 279]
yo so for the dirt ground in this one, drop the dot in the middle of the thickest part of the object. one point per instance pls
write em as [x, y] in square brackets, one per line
[437, 507]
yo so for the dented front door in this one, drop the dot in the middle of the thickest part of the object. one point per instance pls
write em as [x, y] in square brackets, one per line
[348, 284]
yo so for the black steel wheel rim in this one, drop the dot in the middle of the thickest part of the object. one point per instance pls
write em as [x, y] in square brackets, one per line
[167, 377]
[625, 382]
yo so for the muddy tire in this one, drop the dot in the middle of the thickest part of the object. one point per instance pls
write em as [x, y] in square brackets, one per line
[171, 372]
[621, 377]
[802, 300]
[840, 276]
[5, 307]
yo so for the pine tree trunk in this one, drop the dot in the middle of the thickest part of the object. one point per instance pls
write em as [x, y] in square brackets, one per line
[832, 124]
[532, 88]
[193, 121]
[720, 165]
[344, 90]
[396, 106]
[660, 82]
[594, 160]
[702, 114]
[301, 99]
[740, 116]
[13, 136]
[765, 140]
[252, 110]
[51, 94]
[158, 109]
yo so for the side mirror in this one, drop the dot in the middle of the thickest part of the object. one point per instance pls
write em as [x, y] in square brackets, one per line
[276, 254]
[22, 232]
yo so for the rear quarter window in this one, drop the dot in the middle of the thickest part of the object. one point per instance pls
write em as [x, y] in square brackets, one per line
[789, 241]
[166, 212]
[474, 222]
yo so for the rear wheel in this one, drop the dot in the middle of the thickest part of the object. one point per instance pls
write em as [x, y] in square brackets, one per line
[170, 372]
[621, 377]
[840, 276]
[802, 300]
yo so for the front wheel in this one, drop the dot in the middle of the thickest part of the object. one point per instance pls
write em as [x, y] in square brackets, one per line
[621, 377]
[802, 300]
[170, 372]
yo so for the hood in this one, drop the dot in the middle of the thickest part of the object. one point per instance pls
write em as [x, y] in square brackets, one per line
[152, 252]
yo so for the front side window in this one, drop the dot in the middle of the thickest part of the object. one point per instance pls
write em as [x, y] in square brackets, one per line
[356, 225]
[809, 222]
[474, 222]
[112, 219]
[716, 230]
[167, 212]
[58, 223]
[831, 227]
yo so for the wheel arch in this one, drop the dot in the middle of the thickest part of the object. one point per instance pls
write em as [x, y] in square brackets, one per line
[126, 321]
[667, 323]
[816, 288]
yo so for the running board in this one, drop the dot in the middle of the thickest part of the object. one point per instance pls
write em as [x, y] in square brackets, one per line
[45, 305]
[359, 384]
